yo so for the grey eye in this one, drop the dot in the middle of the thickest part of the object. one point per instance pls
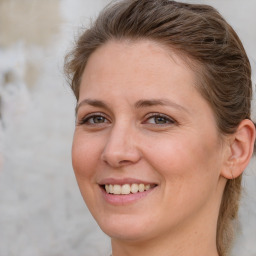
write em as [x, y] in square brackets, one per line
[97, 119]
[159, 119]
[94, 120]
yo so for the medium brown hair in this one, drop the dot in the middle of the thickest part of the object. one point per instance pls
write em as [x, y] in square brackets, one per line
[201, 34]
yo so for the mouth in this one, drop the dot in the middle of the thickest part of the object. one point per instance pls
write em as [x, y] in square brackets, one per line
[127, 189]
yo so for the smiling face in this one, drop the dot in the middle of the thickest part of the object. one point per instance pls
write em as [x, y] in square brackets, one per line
[140, 120]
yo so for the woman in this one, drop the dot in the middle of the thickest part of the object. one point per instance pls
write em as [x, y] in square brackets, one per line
[163, 130]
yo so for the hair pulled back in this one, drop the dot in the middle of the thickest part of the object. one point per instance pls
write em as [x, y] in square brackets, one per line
[199, 33]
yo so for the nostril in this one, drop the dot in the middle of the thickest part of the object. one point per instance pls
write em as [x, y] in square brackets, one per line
[124, 162]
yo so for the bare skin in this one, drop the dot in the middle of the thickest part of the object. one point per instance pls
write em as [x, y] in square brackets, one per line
[140, 119]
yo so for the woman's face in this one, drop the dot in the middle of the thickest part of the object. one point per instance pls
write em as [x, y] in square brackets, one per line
[140, 120]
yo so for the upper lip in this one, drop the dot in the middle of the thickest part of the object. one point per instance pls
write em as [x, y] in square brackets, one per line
[124, 181]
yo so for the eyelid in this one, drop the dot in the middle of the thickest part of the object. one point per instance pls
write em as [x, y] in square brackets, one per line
[157, 114]
[86, 117]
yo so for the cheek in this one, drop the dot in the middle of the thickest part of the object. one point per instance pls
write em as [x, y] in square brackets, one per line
[85, 159]
[186, 160]
[190, 174]
[84, 156]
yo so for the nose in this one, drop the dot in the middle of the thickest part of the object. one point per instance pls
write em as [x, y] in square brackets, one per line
[121, 147]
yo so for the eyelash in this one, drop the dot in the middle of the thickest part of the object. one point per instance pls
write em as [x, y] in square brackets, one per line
[167, 120]
[86, 119]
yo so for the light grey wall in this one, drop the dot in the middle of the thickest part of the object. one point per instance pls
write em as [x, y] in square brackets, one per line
[41, 210]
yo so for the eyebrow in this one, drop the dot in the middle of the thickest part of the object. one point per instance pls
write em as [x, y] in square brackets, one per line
[138, 104]
[92, 102]
[159, 102]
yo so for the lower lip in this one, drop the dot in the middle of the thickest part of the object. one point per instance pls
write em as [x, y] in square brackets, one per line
[125, 199]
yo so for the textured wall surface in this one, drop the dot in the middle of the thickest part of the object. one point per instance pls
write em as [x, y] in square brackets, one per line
[41, 210]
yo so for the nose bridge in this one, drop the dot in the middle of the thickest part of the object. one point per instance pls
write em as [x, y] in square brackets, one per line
[121, 147]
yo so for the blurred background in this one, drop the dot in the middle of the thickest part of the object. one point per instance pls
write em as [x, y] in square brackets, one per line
[41, 210]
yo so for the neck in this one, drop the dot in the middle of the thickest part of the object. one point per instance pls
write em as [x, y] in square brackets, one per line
[189, 245]
[192, 238]
[165, 247]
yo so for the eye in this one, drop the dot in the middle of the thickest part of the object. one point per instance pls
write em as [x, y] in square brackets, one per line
[159, 119]
[94, 119]
[97, 120]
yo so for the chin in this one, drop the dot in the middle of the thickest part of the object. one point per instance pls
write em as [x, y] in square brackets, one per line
[126, 227]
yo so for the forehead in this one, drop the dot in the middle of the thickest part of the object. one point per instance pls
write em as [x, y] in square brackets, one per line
[120, 74]
[135, 65]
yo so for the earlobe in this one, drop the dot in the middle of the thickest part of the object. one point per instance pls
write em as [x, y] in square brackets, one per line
[241, 148]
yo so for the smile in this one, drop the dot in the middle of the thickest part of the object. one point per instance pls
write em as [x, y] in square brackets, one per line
[120, 192]
[127, 189]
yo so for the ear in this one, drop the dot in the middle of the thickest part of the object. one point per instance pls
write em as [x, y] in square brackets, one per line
[241, 145]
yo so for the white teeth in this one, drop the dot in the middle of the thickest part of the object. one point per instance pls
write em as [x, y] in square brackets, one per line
[126, 188]
[147, 187]
[141, 187]
[134, 188]
[117, 189]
